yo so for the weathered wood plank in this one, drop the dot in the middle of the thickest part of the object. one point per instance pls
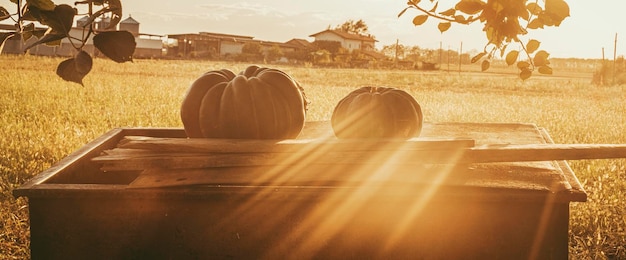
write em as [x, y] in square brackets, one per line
[212, 145]
[543, 152]
[309, 175]
[129, 159]
[142, 160]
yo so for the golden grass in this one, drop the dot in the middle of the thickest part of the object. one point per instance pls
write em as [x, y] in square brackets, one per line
[44, 118]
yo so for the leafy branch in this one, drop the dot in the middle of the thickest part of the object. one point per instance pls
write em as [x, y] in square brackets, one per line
[502, 21]
[57, 21]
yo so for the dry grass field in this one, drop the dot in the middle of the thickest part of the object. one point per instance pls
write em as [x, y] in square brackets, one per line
[43, 119]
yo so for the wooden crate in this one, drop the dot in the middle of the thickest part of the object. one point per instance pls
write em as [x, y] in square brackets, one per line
[514, 210]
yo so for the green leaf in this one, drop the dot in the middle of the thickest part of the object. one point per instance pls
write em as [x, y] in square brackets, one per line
[449, 12]
[4, 14]
[46, 5]
[541, 58]
[39, 32]
[75, 69]
[444, 26]
[511, 57]
[118, 46]
[470, 6]
[4, 36]
[523, 65]
[84, 62]
[64, 18]
[535, 24]
[524, 14]
[460, 19]
[49, 37]
[497, 6]
[525, 74]
[532, 46]
[534, 8]
[60, 20]
[478, 57]
[485, 65]
[558, 10]
[420, 19]
[27, 31]
[545, 70]
[546, 19]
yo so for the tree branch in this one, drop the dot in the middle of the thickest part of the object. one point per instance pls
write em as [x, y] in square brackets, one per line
[447, 19]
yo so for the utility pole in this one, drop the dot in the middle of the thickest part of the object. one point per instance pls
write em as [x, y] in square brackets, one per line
[440, 53]
[460, 56]
[615, 58]
[395, 58]
[448, 54]
[602, 69]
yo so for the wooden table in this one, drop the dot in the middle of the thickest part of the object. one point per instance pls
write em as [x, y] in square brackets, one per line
[477, 211]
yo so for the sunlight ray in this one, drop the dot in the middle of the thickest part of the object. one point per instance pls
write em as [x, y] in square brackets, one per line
[424, 198]
[544, 221]
[345, 203]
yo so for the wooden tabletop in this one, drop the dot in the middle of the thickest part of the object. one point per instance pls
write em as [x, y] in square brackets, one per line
[540, 178]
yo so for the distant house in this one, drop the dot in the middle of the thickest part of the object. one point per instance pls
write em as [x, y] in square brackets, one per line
[148, 45]
[349, 41]
[209, 44]
[300, 43]
[205, 44]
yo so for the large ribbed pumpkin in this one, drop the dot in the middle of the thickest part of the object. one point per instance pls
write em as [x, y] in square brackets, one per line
[377, 112]
[258, 103]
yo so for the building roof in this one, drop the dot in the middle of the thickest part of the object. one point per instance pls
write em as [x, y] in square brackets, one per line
[347, 35]
[209, 36]
[374, 54]
[224, 35]
[129, 20]
[299, 43]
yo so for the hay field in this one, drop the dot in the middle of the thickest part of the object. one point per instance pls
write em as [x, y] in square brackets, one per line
[43, 119]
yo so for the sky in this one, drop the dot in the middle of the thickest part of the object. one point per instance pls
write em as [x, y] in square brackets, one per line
[592, 25]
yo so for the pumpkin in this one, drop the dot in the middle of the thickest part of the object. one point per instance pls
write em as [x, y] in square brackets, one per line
[258, 103]
[377, 112]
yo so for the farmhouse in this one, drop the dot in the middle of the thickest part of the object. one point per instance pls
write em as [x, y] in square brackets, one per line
[209, 44]
[198, 45]
[148, 45]
[300, 43]
[349, 41]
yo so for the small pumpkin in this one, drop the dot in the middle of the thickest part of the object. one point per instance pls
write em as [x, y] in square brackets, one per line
[258, 103]
[377, 112]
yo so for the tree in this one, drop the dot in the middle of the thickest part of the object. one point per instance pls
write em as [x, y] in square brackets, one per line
[273, 53]
[332, 47]
[321, 56]
[505, 21]
[395, 51]
[356, 27]
[413, 53]
[251, 51]
[300, 55]
[253, 48]
[58, 19]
